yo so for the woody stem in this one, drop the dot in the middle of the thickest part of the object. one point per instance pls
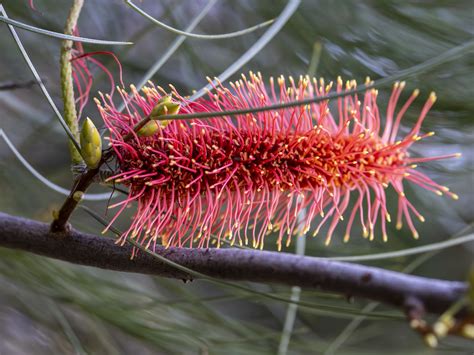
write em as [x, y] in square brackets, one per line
[389, 287]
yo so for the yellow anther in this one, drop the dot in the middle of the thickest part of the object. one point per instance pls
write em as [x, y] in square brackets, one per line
[431, 340]
[365, 233]
[327, 241]
[440, 328]
[467, 331]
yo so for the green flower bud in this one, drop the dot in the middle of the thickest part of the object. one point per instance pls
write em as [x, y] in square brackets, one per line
[91, 144]
[164, 99]
[148, 129]
[165, 107]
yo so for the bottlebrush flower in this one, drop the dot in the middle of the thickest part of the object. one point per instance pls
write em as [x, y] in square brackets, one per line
[240, 178]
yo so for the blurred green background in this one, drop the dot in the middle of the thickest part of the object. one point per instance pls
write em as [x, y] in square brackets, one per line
[48, 306]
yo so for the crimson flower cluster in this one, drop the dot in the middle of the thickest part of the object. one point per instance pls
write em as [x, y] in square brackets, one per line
[239, 178]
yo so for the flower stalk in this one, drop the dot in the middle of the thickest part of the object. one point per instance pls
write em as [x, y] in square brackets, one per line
[67, 82]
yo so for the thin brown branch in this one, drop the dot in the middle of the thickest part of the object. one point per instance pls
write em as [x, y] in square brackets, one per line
[82, 183]
[388, 287]
[7, 86]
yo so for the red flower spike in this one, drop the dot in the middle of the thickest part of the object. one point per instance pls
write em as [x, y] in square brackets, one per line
[240, 178]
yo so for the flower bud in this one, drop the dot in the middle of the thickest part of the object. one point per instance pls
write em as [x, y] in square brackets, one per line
[91, 144]
[148, 129]
[165, 107]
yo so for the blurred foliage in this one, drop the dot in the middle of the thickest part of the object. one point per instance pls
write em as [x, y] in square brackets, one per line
[49, 306]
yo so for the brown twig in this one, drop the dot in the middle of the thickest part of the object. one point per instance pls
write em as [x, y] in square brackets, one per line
[82, 183]
[7, 86]
[349, 279]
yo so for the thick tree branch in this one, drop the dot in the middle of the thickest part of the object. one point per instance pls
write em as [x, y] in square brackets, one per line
[373, 283]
